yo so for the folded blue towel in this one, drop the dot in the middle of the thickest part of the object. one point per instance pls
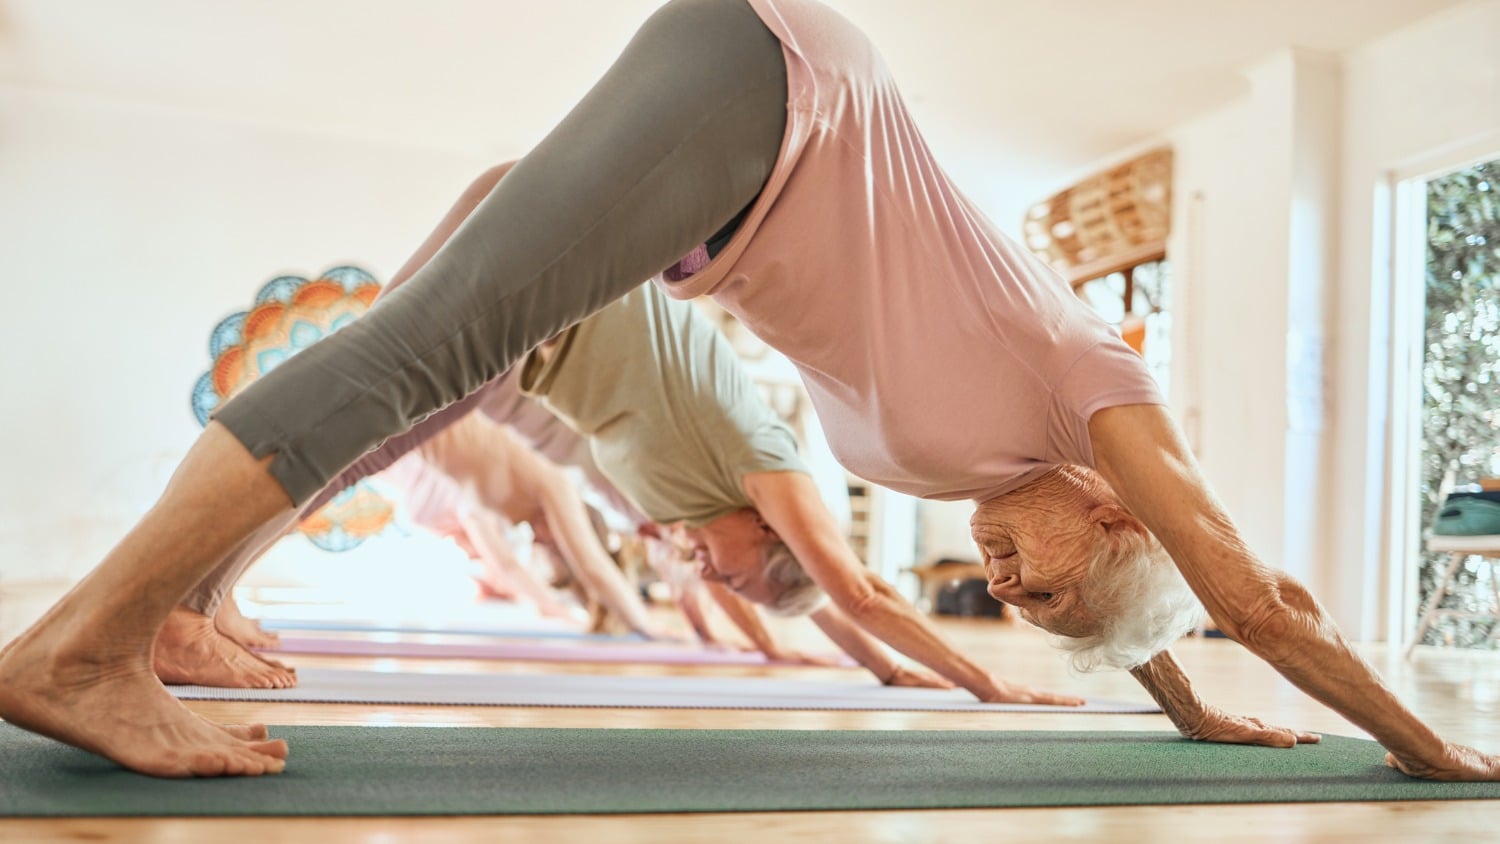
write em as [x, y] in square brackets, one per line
[1468, 514]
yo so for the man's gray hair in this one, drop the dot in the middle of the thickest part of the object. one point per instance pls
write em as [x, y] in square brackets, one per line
[796, 593]
[1142, 603]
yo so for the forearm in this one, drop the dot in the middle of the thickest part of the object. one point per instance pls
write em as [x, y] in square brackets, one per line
[604, 580]
[1165, 681]
[884, 614]
[789, 502]
[690, 601]
[744, 616]
[487, 533]
[856, 643]
[592, 565]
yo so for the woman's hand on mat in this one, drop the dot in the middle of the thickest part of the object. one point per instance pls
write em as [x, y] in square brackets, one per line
[1456, 763]
[1220, 726]
[916, 678]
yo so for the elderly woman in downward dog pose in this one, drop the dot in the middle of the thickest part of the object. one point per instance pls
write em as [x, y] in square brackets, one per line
[756, 151]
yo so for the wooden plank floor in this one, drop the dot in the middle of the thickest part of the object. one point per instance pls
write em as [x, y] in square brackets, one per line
[1457, 692]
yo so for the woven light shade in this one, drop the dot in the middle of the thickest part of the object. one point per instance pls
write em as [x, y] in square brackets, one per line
[1116, 219]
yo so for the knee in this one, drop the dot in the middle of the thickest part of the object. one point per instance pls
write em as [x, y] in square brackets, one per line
[716, 22]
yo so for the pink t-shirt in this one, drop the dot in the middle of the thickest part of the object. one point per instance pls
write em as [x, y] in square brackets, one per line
[944, 360]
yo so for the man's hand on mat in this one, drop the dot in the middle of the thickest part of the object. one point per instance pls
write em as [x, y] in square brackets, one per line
[1456, 763]
[1017, 693]
[1220, 726]
[916, 678]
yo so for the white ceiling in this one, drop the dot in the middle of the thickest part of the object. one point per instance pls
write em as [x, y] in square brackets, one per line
[1046, 86]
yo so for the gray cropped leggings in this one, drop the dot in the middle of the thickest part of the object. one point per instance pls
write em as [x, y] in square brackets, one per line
[674, 141]
[679, 136]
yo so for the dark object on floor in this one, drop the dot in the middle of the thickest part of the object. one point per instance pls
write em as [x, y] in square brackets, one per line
[957, 588]
[967, 598]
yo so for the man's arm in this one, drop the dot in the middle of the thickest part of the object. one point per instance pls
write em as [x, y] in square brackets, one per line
[569, 525]
[789, 503]
[869, 652]
[744, 616]
[1140, 452]
[748, 620]
[486, 531]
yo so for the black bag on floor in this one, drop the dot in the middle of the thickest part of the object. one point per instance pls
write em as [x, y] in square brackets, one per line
[967, 598]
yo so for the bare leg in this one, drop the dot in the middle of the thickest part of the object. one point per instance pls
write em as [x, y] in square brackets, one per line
[672, 157]
[190, 649]
[232, 623]
[83, 674]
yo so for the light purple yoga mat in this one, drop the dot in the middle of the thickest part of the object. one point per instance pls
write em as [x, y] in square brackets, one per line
[529, 651]
[324, 685]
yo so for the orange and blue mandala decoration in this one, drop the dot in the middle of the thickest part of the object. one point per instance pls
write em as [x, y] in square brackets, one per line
[291, 313]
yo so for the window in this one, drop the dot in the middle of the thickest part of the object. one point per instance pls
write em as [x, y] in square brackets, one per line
[1460, 379]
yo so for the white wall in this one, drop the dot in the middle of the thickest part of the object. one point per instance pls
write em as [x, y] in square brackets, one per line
[1255, 221]
[129, 232]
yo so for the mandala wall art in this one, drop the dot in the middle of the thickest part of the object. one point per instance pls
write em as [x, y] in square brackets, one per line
[289, 314]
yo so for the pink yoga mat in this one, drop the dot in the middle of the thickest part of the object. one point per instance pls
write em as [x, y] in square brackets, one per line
[571, 652]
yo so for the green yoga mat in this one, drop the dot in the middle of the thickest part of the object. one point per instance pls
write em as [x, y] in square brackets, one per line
[482, 771]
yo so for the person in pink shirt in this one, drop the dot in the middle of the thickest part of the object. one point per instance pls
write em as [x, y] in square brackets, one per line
[756, 151]
[476, 479]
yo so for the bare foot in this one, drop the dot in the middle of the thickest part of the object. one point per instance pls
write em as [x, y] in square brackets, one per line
[248, 732]
[190, 649]
[98, 696]
[232, 623]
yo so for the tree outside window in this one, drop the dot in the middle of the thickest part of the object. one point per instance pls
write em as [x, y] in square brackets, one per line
[1461, 375]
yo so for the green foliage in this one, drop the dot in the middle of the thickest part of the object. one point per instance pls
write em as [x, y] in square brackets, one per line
[1461, 366]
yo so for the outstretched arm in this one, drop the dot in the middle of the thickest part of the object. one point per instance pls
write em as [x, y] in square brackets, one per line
[744, 616]
[1141, 453]
[789, 503]
[568, 524]
[748, 620]
[486, 531]
[869, 652]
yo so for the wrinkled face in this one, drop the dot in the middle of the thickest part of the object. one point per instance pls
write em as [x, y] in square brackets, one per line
[1038, 542]
[729, 550]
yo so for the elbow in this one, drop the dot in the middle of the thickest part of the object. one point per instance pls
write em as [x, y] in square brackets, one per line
[1277, 623]
[858, 603]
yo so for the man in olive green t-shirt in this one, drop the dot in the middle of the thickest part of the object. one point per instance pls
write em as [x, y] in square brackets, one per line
[676, 424]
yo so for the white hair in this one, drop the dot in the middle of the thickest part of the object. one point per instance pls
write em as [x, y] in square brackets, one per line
[1142, 603]
[796, 593]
